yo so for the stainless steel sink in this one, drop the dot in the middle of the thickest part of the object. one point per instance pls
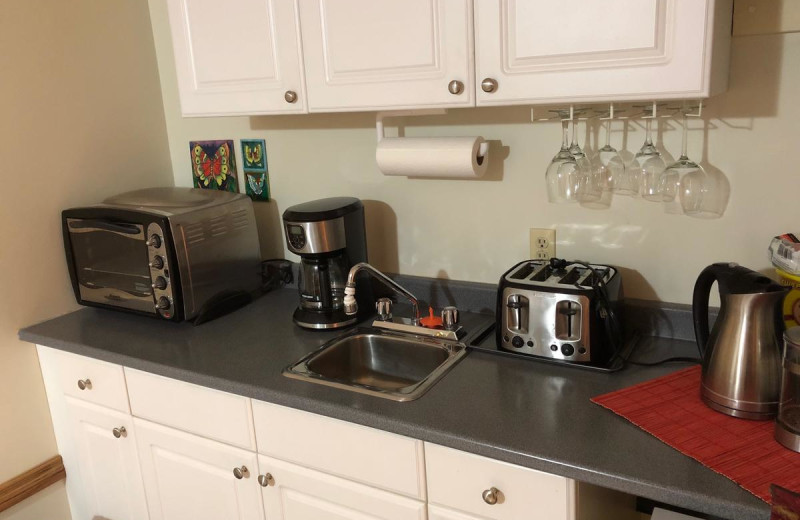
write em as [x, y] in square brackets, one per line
[392, 365]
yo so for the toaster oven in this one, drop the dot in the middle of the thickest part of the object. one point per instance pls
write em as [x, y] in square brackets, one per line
[563, 311]
[172, 253]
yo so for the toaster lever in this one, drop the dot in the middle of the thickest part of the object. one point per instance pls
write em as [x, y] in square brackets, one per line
[517, 313]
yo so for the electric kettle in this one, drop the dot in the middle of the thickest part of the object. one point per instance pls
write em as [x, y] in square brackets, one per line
[742, 355]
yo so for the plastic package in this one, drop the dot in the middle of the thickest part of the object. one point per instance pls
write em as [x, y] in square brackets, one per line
[784, 252]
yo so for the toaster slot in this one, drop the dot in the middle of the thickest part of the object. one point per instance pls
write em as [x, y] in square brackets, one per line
[543, 273]
[573, 276]
[523, 272]
[517, 308]
[569, 317]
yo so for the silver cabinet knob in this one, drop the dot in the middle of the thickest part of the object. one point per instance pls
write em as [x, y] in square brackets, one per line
[120, 432]
[490, 495]
[489, 85]
[290, 96]
[449, 317]
[241, 473]
[384, 308]
[266, 480]
[85, 384]
[455, 87]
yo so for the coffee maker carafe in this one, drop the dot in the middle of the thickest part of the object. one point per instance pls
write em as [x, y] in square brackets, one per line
[330, 237]
[742, 355]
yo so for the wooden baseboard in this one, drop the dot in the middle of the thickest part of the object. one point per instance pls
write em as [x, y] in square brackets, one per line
[31, 482]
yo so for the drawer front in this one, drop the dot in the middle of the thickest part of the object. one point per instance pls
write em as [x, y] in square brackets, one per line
[298, 493]
[355, 452]
[196, 409]
[459, 480]
[87, 379]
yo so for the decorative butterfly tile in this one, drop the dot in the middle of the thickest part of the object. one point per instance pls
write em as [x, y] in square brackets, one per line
[213, 165]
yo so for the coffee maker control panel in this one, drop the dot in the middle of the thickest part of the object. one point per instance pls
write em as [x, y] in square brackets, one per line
[296, 236]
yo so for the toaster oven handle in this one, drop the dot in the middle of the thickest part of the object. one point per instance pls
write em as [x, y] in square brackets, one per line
[105, 225]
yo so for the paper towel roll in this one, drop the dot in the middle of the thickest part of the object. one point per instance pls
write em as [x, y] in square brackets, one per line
[444, 157]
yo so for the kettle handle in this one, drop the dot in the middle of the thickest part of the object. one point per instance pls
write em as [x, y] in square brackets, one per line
[702, 291]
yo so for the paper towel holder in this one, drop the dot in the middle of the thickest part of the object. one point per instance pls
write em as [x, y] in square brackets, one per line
[483, 148]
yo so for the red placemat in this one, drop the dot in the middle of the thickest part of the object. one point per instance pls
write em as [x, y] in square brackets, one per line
[744, 451]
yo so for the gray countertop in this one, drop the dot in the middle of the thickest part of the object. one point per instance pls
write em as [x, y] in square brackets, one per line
[520, 411]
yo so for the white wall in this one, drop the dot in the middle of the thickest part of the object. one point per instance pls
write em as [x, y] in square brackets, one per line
[80, 118]
[474, 230]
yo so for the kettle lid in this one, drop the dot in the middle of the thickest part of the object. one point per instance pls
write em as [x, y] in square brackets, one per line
[735, 279]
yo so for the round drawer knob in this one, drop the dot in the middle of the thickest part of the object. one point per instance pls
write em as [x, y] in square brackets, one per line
[490, 495]
[266, 480]
[85, 384]
[120, 432]
[290, 96]
[240, 473]
[455, 87]
[489, 85]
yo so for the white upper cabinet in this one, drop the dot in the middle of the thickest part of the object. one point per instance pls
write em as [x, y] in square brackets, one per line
[237, 57]
[388, 54]
[541, 51]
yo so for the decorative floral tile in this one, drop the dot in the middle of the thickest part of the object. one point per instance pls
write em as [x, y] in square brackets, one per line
[213, 165]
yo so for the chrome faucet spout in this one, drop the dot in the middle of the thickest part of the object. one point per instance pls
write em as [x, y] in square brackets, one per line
[350, 305]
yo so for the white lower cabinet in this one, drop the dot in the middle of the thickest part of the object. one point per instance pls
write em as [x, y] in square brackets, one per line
[297, 493]
[105, 446]
[200, 463]
[191, 478]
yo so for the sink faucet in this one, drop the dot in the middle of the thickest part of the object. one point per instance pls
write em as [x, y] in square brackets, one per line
[350, 305]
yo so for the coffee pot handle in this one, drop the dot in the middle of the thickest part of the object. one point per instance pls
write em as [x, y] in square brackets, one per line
[702, 291]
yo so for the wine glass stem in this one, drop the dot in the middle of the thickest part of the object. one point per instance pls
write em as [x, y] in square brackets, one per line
[565, 132]
[683, 138]
[648, 125]
[608, 134]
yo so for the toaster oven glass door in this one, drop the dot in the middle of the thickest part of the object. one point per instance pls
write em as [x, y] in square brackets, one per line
[111, 263]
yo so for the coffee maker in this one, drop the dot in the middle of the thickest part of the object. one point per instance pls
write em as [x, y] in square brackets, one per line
[330, 237]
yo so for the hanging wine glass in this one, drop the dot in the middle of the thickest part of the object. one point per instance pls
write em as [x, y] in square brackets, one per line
[610, 171]
[563, 175]
[649, 166]
[690, 182]
[584, 190]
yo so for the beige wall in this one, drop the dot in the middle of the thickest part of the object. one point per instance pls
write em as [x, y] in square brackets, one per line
[80, 118]
[474, 230]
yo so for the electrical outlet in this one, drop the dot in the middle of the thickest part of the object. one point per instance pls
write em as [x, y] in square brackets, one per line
[543, 243]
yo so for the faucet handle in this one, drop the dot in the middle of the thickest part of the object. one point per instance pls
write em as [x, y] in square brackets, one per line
[384, 308]
[449, 317]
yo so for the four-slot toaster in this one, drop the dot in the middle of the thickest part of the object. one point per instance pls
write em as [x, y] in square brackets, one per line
[560, 310]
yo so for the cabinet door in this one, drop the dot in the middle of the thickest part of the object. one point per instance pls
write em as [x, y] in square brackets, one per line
[572, 50]
[237, 56]
[108, 465]
[368, 55]
[191, 478]
[298, 493]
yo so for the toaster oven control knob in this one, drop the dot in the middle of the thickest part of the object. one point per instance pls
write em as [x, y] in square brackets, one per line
[567, 349]
[154, 241]
[517, 342]
[157, 262]
[163, 303]
[160, 283]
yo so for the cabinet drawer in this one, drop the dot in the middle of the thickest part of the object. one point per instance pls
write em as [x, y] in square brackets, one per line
[87, 379]
[458, 480]
[359, 453]
[301, 493]
[210, 413]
